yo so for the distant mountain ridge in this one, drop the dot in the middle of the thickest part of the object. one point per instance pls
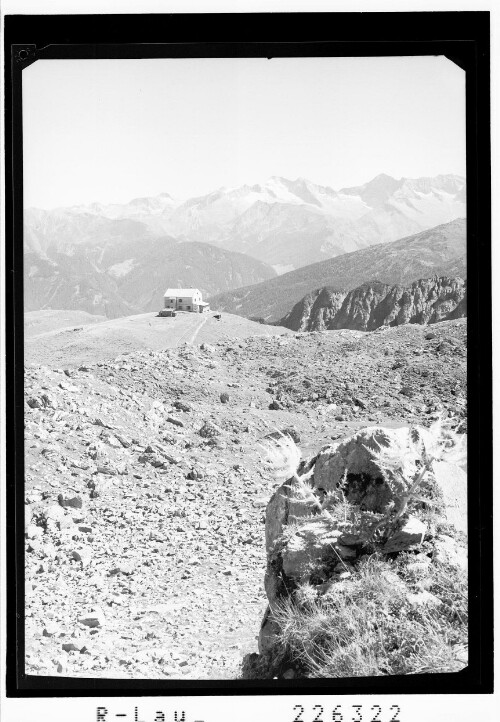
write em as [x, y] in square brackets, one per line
[121, 279]
[375, 304]
[283, 223]
[437, 251]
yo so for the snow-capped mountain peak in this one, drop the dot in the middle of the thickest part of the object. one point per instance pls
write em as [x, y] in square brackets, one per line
[279, 221]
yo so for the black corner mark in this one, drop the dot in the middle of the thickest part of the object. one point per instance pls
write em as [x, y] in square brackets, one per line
[24, 55]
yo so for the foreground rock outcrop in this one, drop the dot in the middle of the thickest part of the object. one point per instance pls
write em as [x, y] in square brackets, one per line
[354, 501]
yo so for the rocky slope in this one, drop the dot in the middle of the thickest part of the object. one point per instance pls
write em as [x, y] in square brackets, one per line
[438, 251]
[315, 311]
[145, 488]
[375, 304]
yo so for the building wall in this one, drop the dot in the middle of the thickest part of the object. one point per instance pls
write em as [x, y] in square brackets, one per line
[182, 305]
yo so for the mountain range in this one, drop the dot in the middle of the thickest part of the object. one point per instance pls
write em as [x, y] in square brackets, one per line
[280, 222]
[438, 251]
[114, 258]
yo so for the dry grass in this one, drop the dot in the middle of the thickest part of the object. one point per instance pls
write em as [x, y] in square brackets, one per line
[368, 627]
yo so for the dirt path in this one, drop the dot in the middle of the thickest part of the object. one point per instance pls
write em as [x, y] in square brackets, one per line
[193, 335]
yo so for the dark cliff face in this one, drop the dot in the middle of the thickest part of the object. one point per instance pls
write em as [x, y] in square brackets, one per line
[375, 304]
[315, 311]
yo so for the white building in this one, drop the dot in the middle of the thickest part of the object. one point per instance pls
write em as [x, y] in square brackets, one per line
[184, 299]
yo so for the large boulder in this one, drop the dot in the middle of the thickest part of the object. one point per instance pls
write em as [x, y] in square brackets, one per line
[341, 506]
[305, 542]
[354, 457]
[308, 548]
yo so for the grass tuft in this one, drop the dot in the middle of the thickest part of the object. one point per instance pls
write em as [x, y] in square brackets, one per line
[369, 627]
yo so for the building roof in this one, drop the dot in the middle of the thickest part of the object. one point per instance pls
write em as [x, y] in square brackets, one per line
[180, 292]
[203, 303]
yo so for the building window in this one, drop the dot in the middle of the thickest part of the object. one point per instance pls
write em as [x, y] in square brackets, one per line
[188, 308]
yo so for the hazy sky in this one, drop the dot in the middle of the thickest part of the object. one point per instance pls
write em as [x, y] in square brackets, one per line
[112, 130]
